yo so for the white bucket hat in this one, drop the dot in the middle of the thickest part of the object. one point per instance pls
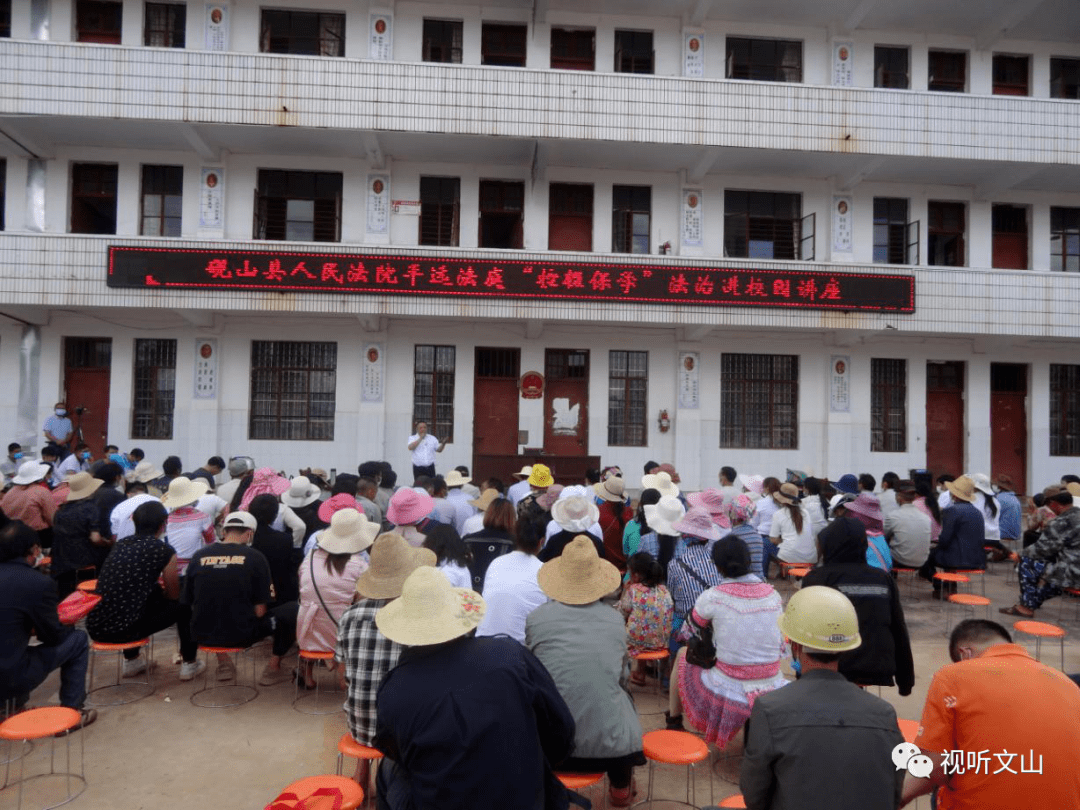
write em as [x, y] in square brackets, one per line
[663, 516]
[575, 514]
[456, 479]
[301, 492]
[661, 482]
[30, 472]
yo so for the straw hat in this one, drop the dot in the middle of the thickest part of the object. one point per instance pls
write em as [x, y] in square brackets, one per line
[407, 506]
[392, 559]
[82, 485]
[540, 476]
[661, 516]
[31, 471]
[712, 501]
[788, 493]
[487, 497]
[182, 492]
[574, 514]
[1073, 489]
[456, 479]
[661, 481]
[962, 488]
[524, 472]
[697, 522]
[342, 500]
[611, 489]
[1003, 481]
[982, 483]
[349, 533]
[430, 610]
[301, 492]
[145, 472]
[578, 576]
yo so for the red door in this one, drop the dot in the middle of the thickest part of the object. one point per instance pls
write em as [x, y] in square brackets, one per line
[566, 402]
[1008, 422]
[945, 418]
[87, 362]
[495, 409]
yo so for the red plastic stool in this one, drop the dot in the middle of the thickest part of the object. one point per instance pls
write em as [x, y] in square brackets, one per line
[143, 688]
[1042, 630]
[317, 656]
[87, 585]
[348, 747]
[582, 781]
[43, 723]
[654, 656]
[352, 795]
[240, 693]
[676, 748]
[965, 600]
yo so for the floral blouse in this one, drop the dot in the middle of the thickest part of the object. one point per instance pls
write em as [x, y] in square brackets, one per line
[649, 613]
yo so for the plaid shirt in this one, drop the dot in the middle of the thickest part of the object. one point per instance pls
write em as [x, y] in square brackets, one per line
[368, 655]
[684, 587]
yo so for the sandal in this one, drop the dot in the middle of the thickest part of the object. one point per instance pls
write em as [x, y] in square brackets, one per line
[1014, 610]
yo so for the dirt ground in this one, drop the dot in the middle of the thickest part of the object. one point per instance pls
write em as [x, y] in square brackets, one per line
[163, 752]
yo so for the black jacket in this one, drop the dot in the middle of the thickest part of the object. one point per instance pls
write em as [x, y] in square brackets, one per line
[278, 549]
[885, 651]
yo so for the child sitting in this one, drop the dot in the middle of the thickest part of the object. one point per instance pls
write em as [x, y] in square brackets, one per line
[648, 609]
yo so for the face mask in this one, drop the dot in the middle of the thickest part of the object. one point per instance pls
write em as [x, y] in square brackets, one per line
[86, 456]
[17, 456]
[61, 412]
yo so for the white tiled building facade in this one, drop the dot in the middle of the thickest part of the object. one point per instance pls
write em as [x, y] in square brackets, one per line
[732, 142]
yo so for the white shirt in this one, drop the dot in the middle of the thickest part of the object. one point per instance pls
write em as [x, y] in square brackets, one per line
[763, 515]
[518, 491]
[69, 466]
[554, 528]
[444, 512]
[511, 594]
[212, 505]
[423, 455]
[120, 523]
[473, 525]
[228, 489]
[458, 575]
[795, 546]
[887, 499]
[463, 510]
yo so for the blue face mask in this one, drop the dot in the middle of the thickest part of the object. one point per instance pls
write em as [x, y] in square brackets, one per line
[17, 456]
[61, 412]
[86, 456]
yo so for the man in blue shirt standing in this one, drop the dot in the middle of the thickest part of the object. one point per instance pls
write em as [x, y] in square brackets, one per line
[58, 427]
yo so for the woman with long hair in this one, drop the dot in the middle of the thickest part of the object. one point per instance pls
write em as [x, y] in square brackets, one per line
[790, 532]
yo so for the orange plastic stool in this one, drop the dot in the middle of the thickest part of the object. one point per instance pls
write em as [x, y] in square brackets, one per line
[352, 795]
[47, 722]
[298, 699]
[144, 688]
[241, 693]
[87, 585]
[732, 801]
[655, 656]
[799, 573]
[974, 572]
[965, 600]
[348, 747]
[1042, 630]
[676, 748]
[787, 568]
[909, 728]
[581, 781]
[944, 577]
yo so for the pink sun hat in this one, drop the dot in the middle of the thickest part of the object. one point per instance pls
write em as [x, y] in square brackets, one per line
[712, 501]
[697, 522]
[408, 507]
[264, 482]
[329, 507]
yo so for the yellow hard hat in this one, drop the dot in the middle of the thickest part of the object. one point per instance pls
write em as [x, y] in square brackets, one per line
[821, 619]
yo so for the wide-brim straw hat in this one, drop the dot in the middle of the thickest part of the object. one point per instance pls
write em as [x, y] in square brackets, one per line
[963, 488]
[662, 516]
[611, 489]
[712, 501]
[487, 497]
[350, 532]
[391, 560]
[788, 493]
[578, 576]
[697, 522]
[183, 491]
[301, 492]
[524, 472]
[82, 485]
[407, 506]
[342, 500]
[540, 476]
[574, 514]
[661, 482]
[456, 479]
[430, 610]
[1073, 489]
[145, 472]
[31, 472]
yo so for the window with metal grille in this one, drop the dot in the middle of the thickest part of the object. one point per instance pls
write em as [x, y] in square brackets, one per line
[503, 44]
[93, 198]
[440, 204]
[890, 230]
[628, 395]
[764, 60]
[155, 389]
[948, 71]
[165, 25]
[3, 190]
[498, 364]
[1064, 78]
[570, 216]
[162, 200]
[502, 209]
[298, 206]
[1064, 410]
[1011, 75]
[631, 219]
[433, 389]
[762, 224]
[634, 51]
[945, 233]
[442, 41]
[945, 376]
[888, 405]
[759, 396]
[1065, 239]
[311, 33]
[573, 49]
[293, 388]
[98, 21]
[892, 67]
[566, 364]
[5, 18]
[83, 352]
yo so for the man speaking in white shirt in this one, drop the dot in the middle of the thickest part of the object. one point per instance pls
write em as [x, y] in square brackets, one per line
[424, 447]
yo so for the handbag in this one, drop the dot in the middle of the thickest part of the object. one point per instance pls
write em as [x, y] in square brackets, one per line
[76, 605]
[700, 648]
